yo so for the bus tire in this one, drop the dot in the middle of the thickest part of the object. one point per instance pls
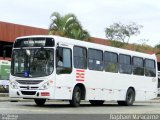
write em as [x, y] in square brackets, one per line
[96, 102]
[130, 98]
[40, 102]
[76, 97]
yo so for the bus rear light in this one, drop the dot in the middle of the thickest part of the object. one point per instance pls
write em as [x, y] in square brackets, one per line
[45, 93]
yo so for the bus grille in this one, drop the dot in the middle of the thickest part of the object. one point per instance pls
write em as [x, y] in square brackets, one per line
[28, 92]
[26, 87]
[29, 82]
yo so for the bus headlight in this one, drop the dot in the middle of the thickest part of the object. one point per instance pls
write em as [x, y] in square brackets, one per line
[14, 85]
[45, 86]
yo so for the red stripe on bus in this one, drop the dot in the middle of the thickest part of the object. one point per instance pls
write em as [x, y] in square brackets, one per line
[79, 76]
[79, 70]
[80, 73]
[79, 80]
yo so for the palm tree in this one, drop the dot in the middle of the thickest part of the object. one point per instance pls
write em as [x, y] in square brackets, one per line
[80, 34]
[67, 26]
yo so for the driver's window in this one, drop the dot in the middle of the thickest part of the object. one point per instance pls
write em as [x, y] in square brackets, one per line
[64, 60]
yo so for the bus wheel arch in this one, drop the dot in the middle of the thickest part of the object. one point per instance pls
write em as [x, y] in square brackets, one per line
[134, 91]
[129, 98]
[83, 90]
[78, 94]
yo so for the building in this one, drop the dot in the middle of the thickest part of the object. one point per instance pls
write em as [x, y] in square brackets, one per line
[10, 31]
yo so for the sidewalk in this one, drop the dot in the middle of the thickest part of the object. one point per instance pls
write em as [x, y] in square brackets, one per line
[5, 97]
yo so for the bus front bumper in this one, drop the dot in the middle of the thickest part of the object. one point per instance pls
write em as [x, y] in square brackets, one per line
[32, 94]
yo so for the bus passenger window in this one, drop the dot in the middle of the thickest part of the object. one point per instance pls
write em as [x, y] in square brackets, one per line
[125, 64]
[95, 59]
[111, 62]
[150, 69]
[138, 66]
[80, 57]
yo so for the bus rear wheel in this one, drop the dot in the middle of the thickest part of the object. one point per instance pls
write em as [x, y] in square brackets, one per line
[96, 102]
[130, 98]
[76, 97]
[40, 102]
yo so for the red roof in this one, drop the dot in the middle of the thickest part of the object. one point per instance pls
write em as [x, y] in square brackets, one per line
[10, 31]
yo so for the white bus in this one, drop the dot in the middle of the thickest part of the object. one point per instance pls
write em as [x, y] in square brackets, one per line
[58, 68]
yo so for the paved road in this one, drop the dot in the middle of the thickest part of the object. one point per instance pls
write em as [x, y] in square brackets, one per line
[60, 110]
[61, 107]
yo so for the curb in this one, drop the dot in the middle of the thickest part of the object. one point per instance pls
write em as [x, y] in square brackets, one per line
[4, 94]
[7, 99]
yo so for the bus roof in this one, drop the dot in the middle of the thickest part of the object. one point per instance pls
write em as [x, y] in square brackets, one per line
[93, 45]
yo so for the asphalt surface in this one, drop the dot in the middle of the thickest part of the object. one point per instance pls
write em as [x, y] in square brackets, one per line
[63, 107]
[59, 110]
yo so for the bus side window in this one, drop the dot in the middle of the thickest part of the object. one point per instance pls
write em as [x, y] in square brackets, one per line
[125, 64]
[95, 59]
[64, 60]
[111, 62]
[150, 69]
[80, 57]
[138, 66]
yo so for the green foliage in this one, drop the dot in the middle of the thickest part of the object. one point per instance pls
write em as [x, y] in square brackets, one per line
[118, 44]
[121, 32]
[157, 46]
[143, 48]
[67, 26]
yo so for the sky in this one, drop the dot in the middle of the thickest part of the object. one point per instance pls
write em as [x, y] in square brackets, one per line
[94, 15]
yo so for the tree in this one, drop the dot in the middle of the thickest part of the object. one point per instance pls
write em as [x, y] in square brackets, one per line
[67, 26]
[122, 33]
[157, 46]
[79, 34]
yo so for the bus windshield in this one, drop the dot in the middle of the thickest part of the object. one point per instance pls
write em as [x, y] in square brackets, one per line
[32, 62]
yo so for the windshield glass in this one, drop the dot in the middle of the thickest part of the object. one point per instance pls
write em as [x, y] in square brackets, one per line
[32, 62]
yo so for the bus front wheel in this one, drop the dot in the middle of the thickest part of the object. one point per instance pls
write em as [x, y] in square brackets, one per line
[76, 97]
[40, 102]
[96, 102]
[130, 98]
